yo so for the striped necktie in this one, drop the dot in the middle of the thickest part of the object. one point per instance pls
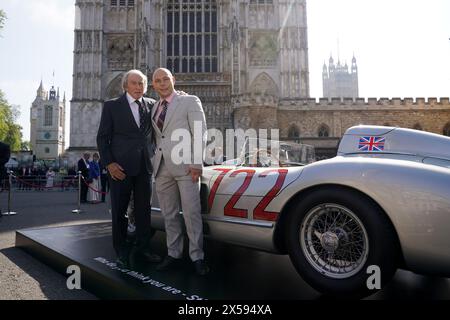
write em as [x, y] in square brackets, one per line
[162, 115]
[142, 115]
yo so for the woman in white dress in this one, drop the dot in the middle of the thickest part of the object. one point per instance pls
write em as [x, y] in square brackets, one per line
[50, 175]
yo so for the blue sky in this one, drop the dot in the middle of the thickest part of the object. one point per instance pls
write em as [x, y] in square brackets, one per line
[402, 47]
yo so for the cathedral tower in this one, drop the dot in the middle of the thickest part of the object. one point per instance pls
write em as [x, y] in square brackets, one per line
[47, 116]
[338, 81]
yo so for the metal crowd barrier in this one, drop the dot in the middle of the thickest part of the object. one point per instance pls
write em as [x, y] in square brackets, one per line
[39, 183]
[9, 212]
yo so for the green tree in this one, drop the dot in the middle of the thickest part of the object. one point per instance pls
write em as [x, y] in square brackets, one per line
[25, 146]
[2, 19]
[10, 132]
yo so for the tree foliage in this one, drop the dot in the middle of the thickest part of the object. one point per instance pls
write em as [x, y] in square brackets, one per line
[25, 146]
[10, 132]
[2, 19]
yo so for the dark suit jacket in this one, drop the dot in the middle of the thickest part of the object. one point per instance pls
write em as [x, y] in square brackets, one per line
[82, 167]
[119, 138]
[5, 154]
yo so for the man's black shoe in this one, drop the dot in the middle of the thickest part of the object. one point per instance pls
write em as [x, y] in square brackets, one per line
[201, 268]
[123, 263]
[167, 264]
[150, 257]
[123, 256]
[142, 246]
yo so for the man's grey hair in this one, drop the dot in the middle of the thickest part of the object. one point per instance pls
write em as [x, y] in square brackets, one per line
[137, 72]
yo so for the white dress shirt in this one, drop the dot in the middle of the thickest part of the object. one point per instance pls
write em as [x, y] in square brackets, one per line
[135, 108]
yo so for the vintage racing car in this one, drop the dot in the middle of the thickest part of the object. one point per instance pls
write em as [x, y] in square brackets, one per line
[382, 203]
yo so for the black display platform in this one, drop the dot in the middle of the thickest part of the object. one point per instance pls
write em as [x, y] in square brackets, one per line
[236, 272]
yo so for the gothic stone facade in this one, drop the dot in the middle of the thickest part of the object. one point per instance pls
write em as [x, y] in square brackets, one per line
[247, 60]
[218, 50]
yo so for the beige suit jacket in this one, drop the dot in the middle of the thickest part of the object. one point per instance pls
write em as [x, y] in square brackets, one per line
[185, 112]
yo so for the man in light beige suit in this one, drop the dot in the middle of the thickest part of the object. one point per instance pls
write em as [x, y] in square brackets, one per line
[178, 184]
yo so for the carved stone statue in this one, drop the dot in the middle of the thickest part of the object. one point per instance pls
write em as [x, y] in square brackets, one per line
[234, 28]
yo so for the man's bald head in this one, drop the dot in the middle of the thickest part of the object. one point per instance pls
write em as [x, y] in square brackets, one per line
[162, 70]
[163, 82]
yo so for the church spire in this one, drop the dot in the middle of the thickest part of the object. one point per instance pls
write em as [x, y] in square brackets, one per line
[331, 66]
[324, 70]
[40, 93]
[53, 93]
[354, 66]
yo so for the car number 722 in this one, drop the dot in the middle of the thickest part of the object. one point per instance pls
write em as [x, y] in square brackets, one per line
[259, 213]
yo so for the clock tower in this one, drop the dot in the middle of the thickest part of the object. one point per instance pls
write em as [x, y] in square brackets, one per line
[47, 116]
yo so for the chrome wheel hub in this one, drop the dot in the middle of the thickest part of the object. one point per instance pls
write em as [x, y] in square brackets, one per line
[329, 241]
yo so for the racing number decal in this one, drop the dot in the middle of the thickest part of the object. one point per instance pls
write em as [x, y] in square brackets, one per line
[229, 209]
[212, 193]
[259, 212]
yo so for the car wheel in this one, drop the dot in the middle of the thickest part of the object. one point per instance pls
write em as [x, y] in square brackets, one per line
[334, 235]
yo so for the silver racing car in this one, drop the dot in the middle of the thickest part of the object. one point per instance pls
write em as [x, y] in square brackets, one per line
[382, 203]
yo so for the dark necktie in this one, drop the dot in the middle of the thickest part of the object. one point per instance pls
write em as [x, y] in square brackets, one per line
[142, 114]
[162, 115]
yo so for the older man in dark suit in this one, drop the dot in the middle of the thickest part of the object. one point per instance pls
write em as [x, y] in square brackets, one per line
[83, 167]
[125, 144]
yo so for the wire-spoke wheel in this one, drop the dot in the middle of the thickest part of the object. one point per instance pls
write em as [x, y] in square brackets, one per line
[334, 241]
[334, 234]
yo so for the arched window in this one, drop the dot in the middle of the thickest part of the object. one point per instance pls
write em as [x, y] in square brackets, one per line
[324, 131]
[293, 132]
[446, 131]
[417, 126]
[48, 116]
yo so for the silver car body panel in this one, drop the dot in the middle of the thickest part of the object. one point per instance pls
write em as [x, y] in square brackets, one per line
[396, 141]
[415, 197]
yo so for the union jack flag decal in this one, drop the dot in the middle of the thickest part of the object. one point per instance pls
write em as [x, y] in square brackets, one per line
[371, 143]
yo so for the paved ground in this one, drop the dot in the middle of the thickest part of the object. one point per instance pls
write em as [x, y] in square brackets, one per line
[23, 277]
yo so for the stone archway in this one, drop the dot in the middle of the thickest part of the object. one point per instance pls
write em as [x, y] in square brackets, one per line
[264, 85]
[446, 130]
[323, 131]
[114, 88]
[293, 132]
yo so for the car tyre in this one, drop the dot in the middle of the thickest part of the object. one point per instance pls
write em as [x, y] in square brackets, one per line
[334, 235]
